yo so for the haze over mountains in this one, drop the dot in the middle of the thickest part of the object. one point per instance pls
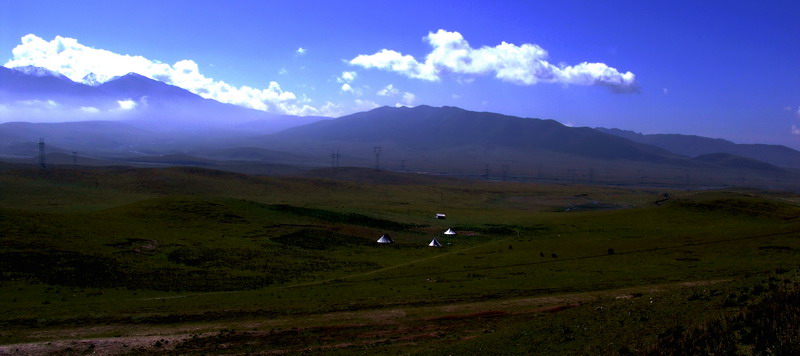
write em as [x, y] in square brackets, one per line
[134, 116]
[29, 93]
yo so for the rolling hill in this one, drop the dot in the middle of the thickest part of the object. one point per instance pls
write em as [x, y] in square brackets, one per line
[692, 146]
[132, 116]
[429, 129]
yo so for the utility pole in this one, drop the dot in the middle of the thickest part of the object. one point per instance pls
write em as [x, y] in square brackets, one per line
[504, 168]
[402, 165]
[74, 158]
[377, 150]
[486, 172]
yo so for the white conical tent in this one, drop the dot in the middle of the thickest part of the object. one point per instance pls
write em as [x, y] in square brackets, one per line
[435, 243]
[449, 232]
[385, 239]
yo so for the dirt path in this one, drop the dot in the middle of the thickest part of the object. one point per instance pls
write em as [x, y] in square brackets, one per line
[133, 338]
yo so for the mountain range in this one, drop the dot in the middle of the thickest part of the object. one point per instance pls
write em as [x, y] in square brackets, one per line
[693, 146]
[32, 92]
[135, 116]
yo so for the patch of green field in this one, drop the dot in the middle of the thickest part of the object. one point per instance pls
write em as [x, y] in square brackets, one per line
[118, 246]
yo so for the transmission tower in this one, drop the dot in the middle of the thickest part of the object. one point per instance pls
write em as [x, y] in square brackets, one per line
[42, 163]
[334, 159]
[377, 150]
[402, 165]
[504, 168]
[74, 158]
[486, 172]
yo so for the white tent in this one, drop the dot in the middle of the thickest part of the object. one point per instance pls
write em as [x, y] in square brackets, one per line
[449, 232]
[385, 239]
[435, 243]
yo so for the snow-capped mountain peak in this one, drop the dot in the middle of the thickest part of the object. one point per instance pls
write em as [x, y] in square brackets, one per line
[94, 79]
[39, 72]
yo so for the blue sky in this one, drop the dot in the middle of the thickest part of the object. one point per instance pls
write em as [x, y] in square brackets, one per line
[726, 69]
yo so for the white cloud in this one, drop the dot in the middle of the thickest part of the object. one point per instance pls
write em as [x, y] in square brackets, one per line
[53, 111]
[74, 60]
[347, 77]
[330, 109]
[389, 90]
[126, 104]
[89, 109]
[364, 105]
[525, 65]
[396, 62]
[38, 105]
[301, 51]
[407, 98]
[795, 130]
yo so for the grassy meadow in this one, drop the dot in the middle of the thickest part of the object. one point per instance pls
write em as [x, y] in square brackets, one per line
[193, 261]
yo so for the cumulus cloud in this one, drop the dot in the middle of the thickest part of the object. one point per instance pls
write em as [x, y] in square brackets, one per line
[347, 77]
[407, 98]
[364, 105]
[524, 65]
[75, 60]
[301, 51]
[389, 90]
[126, 104]
[795, 130]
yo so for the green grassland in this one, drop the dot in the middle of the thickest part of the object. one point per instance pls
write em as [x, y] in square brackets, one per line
[224, 262]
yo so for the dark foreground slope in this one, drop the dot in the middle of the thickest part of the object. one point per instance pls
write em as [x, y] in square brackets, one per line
[196, 261]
